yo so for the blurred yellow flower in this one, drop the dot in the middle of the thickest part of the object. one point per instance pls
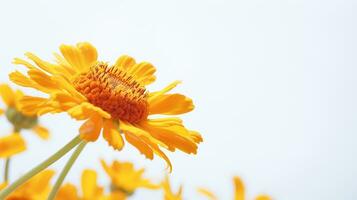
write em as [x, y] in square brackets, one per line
[89, 186]
[168, 193]
[239, 191]
[110, 98]
[11, 145]
[37, 188]
[89, 190]
[16, 116]
[125, 178]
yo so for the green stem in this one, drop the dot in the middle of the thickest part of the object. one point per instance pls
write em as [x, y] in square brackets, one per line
[7, 169]
[66, 169]
[56, 156]
[7, 161]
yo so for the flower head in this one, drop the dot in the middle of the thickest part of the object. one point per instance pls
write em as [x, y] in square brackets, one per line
[113, 99]
[125, 178]
[16, 116]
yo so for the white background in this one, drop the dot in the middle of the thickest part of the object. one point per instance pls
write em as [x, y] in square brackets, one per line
[273, 82]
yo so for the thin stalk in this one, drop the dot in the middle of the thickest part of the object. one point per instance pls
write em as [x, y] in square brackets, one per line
[66, 169]
[6, 170]
[7, 161]
[56, 156]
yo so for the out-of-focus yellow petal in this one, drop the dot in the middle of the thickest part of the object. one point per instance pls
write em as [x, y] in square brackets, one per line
[1, 111]
[171, 104]
[7, 95]
[37, 187]
[112, 135]
[168, 193]
[67, 192]
[42, 132]
[11, 145]
[90, 188]
[90, 129]
[2, 185]
[239, 191]
[207, 193]
[126, 178]
[263, 197]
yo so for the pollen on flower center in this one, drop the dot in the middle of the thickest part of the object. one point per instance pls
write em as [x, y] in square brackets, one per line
[115, 91]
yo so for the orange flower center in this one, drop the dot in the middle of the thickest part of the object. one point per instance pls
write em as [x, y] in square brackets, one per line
[115, 91]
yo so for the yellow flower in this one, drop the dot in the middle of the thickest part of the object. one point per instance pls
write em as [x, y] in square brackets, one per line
[90, 188]
[36, 188]
[110, 98]
[168, 193]
[11, 145]
[18, 118]
[125, 178]
[239, 191]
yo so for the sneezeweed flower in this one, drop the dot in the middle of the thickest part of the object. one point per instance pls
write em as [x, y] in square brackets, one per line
[16, 116]
[14, 143]
[36, 188]
[126, 179]
[113, 99]
[168, 193]
[239, 191]
[90, 190]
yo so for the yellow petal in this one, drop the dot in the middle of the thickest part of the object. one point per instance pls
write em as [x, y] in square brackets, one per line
[171, 104]
[85, 110]
[42, 79]
[11, 145]
[36, 106]
[90, 129]
[90, 188]
[154, 95]
[239, 191]
[81, 57]
[207, 193]
[7, 94]
[67, 192]
[42, 132]
[1, 111]
[142, 72]
[46, 66]
[263, 197]
[140, 145]
[148, 139]
[112, 135]
[125, 62]
[174, 135]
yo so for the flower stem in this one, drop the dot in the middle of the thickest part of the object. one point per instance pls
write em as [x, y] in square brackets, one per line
[7, 169]
[66, 169]
[56, 156]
